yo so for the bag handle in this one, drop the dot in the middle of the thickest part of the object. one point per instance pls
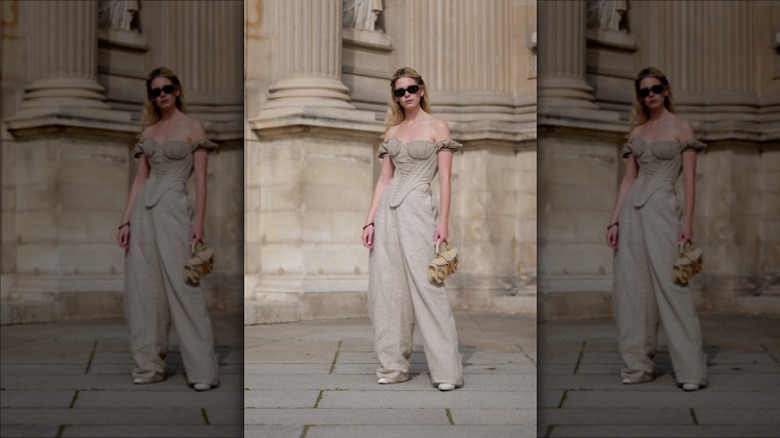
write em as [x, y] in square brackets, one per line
[446, 247]
[194, 244]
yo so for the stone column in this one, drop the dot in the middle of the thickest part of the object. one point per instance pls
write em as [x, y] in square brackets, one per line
[71, 152]
[309, 165]
[307, 56]
[562, 48]
[63, 57]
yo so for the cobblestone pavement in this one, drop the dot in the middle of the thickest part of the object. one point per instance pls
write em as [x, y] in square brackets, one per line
[580, 393]
[72, 379]
[317, 379]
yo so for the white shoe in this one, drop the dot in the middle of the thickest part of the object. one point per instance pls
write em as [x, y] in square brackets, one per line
[139, 381]
[446, 387]
[690, 387]
[383, 381]
[201, 386]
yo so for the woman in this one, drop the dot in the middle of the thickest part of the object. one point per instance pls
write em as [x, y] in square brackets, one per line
[172, 146]
[401, 230]
[646, 219]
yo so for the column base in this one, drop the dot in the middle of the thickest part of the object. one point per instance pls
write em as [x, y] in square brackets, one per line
[309, 91]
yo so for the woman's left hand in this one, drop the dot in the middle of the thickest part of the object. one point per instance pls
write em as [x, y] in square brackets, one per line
[685, 234]
[441, 234]
[196, 235]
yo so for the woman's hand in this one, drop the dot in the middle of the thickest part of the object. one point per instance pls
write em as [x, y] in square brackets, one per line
[196, 235]
[368, 237]
[685, 234]
[123, 237]
[441, 234]
[612, 237]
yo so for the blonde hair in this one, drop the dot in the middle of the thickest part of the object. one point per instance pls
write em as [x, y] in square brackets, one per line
[151, 112]
[395, 112]
[640, 114]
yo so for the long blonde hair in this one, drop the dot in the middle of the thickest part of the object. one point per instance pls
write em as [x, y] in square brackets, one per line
[151, 112]
[395, 112]
[640, 114]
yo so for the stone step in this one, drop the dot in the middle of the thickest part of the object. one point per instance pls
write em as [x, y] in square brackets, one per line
[27, 312]
[270, 312]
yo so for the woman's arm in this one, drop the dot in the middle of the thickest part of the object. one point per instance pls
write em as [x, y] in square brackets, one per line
[385, 175]
[445, 172]
[141, 173]
[632, 170]
[200, 165]
[689, 190]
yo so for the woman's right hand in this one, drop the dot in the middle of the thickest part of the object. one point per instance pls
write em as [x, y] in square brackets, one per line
[368, 237]
[123, 237]
[612, 237]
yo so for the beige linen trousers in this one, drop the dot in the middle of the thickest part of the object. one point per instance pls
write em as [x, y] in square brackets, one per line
[155, 291]
[644, 292]
[399, 291]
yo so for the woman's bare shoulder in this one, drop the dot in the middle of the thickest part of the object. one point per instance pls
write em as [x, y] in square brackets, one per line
[683, 128]
[440, 129]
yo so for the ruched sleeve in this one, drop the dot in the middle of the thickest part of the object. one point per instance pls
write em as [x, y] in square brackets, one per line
[693, 144]
[382, 151]
[448, 145]
[204, 144]
[626, 150]
[138, 150]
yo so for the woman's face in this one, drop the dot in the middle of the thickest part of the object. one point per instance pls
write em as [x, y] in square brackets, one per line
[652, 93]
[408, 100]
[163, 93]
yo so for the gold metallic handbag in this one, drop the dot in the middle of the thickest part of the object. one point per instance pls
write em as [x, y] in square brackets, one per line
[201, 262]
[688, 264]
[443, 264]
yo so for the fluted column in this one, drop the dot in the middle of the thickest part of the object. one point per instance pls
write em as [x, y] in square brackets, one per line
[63, 56]
[307, 55]
[562, 70]
[706, 53]
[204, 47]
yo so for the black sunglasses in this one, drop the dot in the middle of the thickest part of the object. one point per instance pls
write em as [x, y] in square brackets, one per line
[399, 92]
[656, 89]
[168, 89]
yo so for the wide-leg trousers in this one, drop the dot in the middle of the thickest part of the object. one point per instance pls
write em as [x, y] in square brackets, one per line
[156, 294]
[400, 294]
[645, 293]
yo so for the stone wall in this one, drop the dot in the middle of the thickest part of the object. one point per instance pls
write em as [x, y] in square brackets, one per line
[72, 96]
[315, 107]
[722, 64]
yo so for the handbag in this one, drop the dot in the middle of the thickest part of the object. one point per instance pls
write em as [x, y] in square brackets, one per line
[688, 264]
[201, 262]
[443, 264]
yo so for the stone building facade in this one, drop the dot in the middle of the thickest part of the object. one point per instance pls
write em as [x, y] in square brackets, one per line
[722, 59]
[317, 81]
[73, 87]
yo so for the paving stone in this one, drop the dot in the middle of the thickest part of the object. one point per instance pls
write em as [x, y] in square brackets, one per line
[614, 416]
[36, 399]
[493, 416]
[428, 399]
[103, 416]
[154, 431]
[511, 431]
[706, 398]
[275, 431]
[182, 398]
[280, 399]
[31, 431]
[352, 416]
[663, 431]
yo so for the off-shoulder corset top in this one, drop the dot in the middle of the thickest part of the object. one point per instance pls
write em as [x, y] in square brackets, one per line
[170, 164]
[660, 164]
[415, 163]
